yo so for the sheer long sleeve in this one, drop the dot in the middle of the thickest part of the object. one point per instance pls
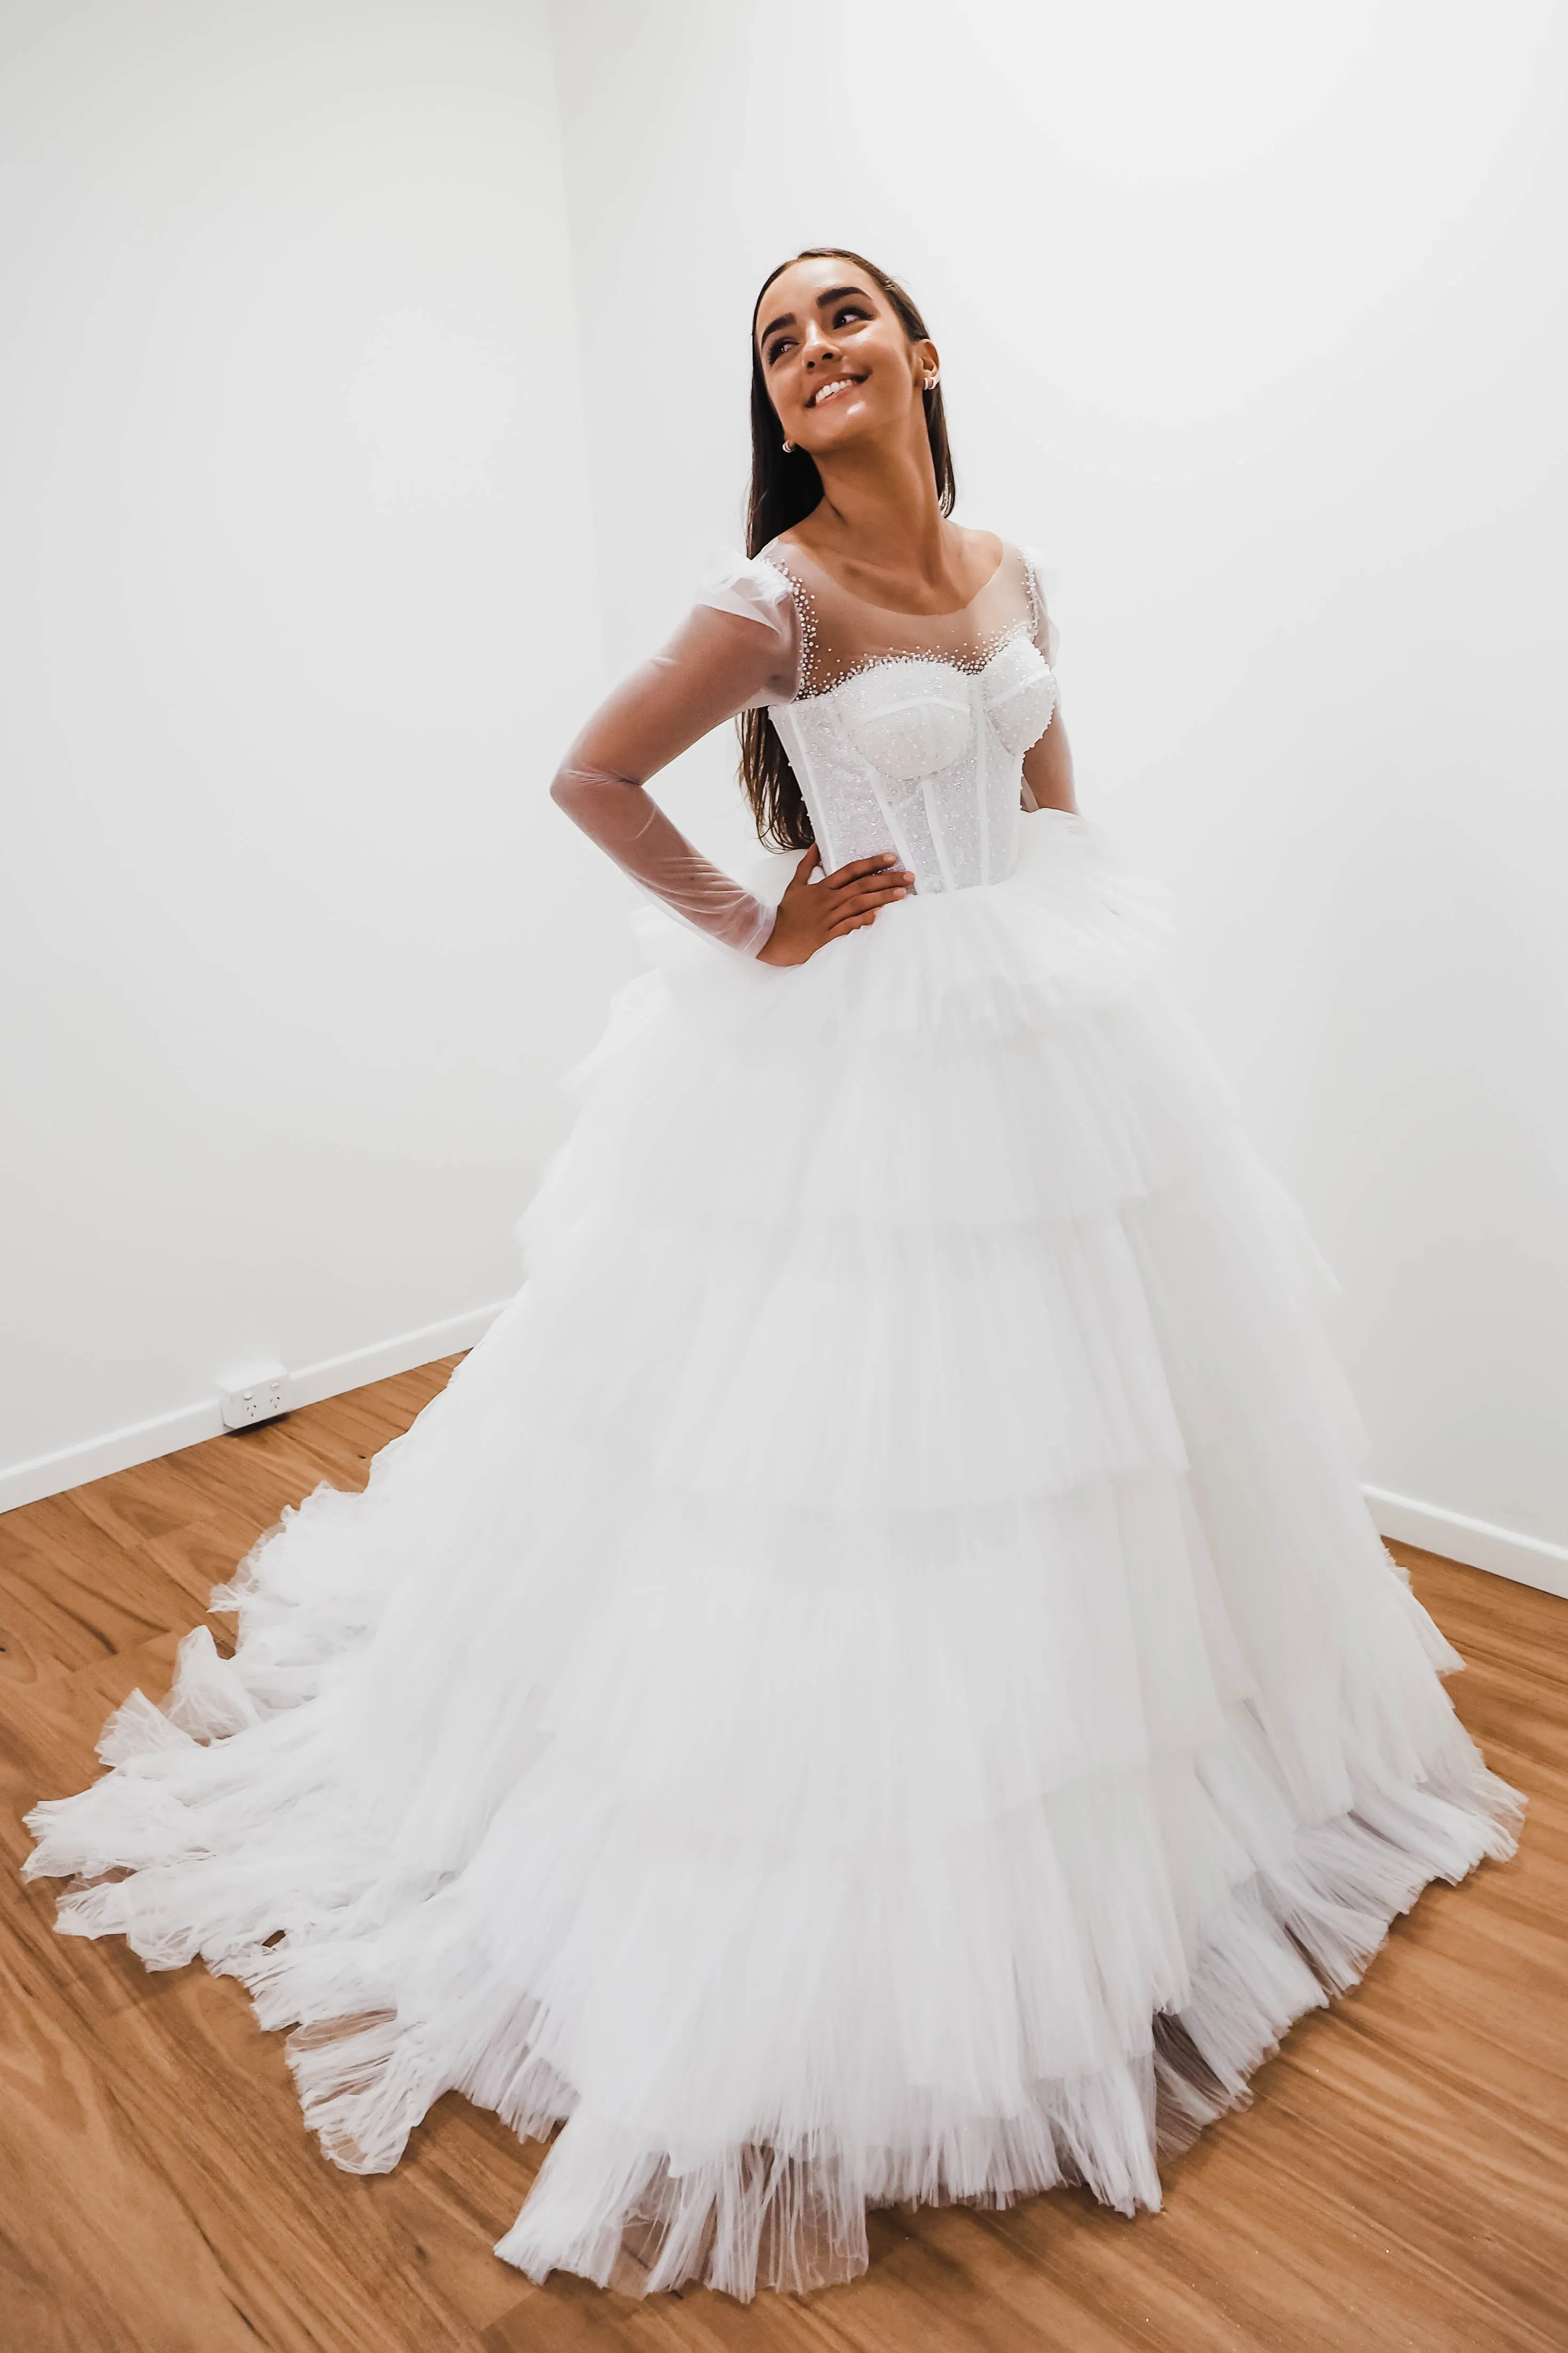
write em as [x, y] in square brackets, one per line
[1045, 632]
[738, 649]
[1048, 780]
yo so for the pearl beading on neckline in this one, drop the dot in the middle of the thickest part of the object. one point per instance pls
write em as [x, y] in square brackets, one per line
[812, 687]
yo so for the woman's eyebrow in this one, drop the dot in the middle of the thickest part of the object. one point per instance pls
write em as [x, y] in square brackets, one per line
[833, 294]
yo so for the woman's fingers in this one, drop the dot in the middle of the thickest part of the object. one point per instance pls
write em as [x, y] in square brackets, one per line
[883, 861]
[856, 907]
[892, 884]
[867, 897]
[849, 897]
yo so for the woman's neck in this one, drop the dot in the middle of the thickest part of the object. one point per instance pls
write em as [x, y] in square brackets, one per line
[879, 513]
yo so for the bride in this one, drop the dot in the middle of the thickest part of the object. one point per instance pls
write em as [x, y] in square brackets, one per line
[875, 1681]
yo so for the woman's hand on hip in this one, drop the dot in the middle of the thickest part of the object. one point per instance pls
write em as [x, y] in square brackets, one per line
[812, 913]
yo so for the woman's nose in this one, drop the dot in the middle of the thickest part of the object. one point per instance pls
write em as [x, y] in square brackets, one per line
[817, 346]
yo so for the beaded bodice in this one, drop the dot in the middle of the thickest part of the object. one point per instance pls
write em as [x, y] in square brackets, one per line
[907, 731]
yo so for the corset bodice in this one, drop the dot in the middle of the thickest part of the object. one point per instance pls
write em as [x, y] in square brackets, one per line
[923, 756]
[907, 731]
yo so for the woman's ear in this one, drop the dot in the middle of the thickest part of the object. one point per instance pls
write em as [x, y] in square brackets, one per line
[928, 362]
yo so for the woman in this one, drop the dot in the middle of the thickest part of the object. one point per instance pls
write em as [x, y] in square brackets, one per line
[875, 1681]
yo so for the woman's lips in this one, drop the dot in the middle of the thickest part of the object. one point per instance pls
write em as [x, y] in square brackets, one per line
[832, 390]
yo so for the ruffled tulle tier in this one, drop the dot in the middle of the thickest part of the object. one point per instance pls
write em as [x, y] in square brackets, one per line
[875, 1681]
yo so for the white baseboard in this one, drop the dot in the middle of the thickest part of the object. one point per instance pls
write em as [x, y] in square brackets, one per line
[1528, 1561]
[121, 1449]
[336, 1374]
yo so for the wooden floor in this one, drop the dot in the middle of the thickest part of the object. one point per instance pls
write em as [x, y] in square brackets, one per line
[1401, 2181]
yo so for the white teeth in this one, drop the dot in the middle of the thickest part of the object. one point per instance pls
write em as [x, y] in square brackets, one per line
[831, 391]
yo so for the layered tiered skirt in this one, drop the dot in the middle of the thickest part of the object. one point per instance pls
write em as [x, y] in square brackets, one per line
[875, 1681]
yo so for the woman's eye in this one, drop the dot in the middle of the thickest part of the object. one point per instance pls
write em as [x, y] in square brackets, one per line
[780, 344]
[847, 310]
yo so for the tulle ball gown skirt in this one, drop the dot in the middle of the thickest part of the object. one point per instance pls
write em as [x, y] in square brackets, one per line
[875, 1681]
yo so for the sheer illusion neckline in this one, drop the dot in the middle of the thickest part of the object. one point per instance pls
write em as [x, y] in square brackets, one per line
[974, 665]
[895, 612]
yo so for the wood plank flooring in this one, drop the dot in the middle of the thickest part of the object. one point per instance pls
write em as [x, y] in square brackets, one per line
[1399, 2186]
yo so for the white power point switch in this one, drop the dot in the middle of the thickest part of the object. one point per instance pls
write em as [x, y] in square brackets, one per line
[248, 1397]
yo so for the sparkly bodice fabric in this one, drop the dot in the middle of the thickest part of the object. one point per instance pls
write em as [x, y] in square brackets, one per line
[917, 745]
[907, 733]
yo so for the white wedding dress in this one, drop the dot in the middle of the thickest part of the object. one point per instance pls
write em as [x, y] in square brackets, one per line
[875, 1681]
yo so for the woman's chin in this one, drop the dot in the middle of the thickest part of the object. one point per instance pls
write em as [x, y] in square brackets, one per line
[855, 420]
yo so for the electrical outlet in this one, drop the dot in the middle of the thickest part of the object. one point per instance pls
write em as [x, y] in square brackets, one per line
[249, 1397]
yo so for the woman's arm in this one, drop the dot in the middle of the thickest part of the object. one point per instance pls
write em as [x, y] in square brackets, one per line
[740, 646]
[1047, 764]
[1048, 769]
[717, 663]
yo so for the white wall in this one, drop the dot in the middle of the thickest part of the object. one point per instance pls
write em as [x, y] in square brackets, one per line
[1254, 317]
[298, 612]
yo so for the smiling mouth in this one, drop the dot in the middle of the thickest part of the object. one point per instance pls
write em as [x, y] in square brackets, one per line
[833, 388]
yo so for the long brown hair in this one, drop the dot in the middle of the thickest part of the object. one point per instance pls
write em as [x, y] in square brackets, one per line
[785, 487]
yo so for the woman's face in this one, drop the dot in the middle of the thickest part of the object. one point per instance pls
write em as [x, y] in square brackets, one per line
[836, 359]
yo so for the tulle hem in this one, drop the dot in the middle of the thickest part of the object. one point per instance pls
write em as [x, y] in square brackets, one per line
[779, 2207]
[793, 2218]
